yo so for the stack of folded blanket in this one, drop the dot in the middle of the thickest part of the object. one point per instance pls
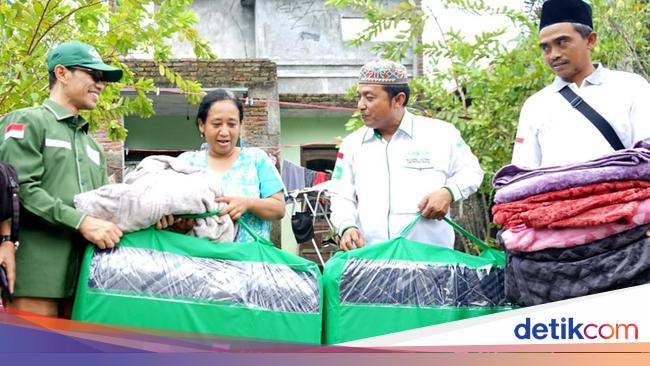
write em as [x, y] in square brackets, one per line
[575, 230]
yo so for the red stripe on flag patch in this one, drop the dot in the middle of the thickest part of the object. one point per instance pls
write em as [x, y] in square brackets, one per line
[519, 140]
[15, 127]
[339, 156]
[15, 131]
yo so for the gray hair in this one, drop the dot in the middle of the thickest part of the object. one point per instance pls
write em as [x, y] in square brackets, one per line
[582, 29]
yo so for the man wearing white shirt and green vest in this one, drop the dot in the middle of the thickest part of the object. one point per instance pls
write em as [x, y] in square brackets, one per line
[553, 131]
[56, 159]
[398, 165]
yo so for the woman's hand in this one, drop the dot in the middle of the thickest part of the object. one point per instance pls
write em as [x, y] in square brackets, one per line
[269, 208]
[8, 261]
[183, 225]
[175, 224]
[236, 206]
[165, 222]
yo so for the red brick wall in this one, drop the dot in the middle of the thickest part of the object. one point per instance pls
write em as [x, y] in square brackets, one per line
[228, 72]
[335, 100]
[114, 151]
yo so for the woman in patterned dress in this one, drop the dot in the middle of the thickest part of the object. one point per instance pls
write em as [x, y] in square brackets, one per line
[253, 189]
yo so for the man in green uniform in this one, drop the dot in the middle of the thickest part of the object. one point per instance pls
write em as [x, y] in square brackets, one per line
[56, 159]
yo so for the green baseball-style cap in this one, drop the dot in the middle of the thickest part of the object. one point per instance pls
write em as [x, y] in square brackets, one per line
[77, 53]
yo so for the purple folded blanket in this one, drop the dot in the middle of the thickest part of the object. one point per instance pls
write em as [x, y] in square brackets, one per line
[514, 183]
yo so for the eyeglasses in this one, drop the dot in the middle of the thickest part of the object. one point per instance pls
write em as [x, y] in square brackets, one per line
[96, 75]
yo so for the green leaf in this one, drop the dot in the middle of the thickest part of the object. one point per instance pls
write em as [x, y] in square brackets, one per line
[29, 30]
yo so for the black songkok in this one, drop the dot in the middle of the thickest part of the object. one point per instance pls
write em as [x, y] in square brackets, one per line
[565, 11]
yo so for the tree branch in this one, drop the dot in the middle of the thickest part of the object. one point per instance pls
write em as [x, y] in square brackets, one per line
[6, 94]
[29, 50]
[34, 44]
[461, 92]
[65, 17]
[38, 26]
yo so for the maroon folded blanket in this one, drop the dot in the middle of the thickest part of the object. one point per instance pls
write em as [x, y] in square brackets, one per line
[622, 213]
[588, 205]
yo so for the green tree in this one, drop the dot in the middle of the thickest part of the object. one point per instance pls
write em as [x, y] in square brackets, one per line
[492, 77]
[29, 29]
[623, 28]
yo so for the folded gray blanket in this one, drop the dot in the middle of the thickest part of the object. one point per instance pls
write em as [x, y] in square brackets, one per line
[159, 186]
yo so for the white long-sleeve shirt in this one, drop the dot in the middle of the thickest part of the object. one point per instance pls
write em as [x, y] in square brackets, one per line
[551, 132]
[377, 185]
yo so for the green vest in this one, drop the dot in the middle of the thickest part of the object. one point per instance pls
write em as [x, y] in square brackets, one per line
[55, 160]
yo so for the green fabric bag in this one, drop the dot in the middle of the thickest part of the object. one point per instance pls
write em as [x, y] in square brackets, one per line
[164, 280]
[402, 284]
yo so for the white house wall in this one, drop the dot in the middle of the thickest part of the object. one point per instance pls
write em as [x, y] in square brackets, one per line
[303, 37]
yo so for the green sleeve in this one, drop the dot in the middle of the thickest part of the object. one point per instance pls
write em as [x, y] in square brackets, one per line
[104, 162]
[26, 155]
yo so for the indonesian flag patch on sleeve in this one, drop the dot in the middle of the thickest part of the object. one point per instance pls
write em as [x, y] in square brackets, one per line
[519, 140]
[338, 171]
[15, 130]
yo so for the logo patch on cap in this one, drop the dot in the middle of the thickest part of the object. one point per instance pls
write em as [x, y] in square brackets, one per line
[93, 53]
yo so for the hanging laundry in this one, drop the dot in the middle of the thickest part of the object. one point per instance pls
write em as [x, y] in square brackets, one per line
[293, 176]
[302, 225]
[310, 175]
[320, 178]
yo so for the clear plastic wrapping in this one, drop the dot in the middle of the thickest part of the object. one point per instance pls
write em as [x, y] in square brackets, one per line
[395, 282]
[144, 272]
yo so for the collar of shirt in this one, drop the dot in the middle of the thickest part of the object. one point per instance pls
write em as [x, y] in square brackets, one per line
[405, 127]
[63, 115]
[596, 78]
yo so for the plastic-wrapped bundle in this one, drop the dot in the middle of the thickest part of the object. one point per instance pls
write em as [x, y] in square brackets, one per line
[267, 286]
[173, 281]
[401, 284]
[397, 282]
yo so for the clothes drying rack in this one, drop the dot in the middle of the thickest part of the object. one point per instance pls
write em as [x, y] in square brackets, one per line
[310, 200]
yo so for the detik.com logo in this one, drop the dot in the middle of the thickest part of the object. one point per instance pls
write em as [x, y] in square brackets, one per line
[568, 328]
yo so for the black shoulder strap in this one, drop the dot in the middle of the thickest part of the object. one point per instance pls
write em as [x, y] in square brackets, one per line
[594, 117]
[16, 209]
[11, 179]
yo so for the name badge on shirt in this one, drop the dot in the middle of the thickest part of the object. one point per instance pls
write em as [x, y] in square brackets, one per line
[418, 159]
[92, 154]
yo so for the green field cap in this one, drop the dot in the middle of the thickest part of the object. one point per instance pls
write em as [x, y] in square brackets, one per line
[77, 53]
